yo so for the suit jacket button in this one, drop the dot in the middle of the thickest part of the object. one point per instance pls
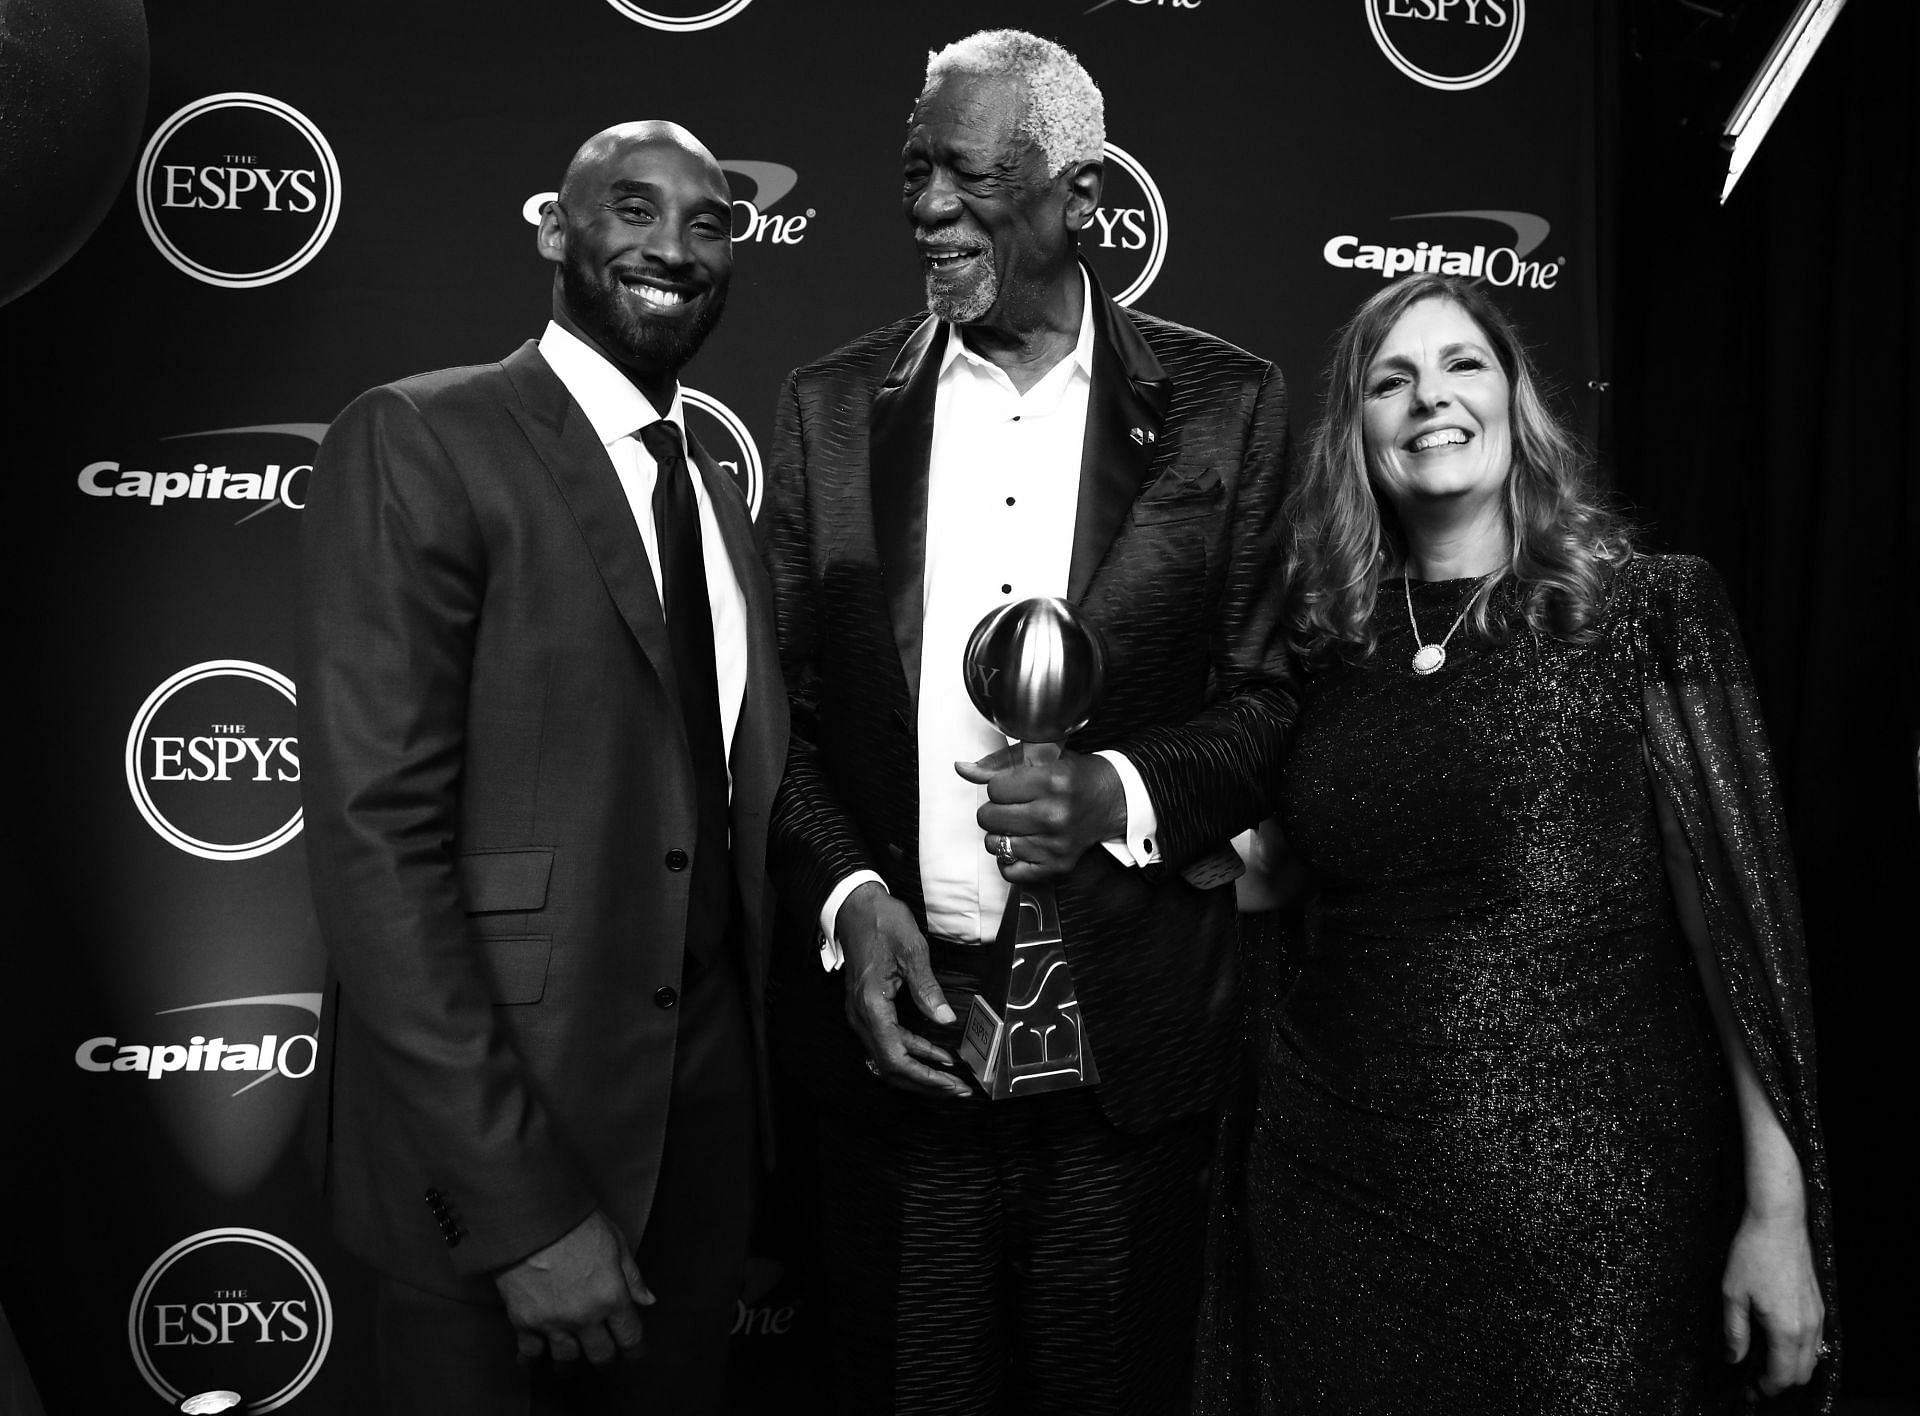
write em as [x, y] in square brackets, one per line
[665, 997]
[676, 859]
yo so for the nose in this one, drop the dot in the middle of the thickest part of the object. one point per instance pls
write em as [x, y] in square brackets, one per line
[666, 242]
[936, 202]
[1430, 392]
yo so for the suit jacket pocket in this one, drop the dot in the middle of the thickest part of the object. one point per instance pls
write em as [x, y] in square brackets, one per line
[1175, 499]
[516, 965]
[505, 881]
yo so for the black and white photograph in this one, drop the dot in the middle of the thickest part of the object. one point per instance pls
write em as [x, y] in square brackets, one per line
[1045, 708]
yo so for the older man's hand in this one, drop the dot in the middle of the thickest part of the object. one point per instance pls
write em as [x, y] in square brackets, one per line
[886, 952]
[1049, 813]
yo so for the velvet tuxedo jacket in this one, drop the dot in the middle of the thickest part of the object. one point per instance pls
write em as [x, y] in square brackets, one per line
[1174, 558]
[500, 812]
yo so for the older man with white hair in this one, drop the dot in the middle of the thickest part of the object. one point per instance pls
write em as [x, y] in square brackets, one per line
[1025, 437]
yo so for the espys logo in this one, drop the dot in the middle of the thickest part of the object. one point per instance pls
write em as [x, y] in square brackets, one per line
[1506, 265]
[231, 1308]
[1157, 4]
[1448, 44]
[680, 19]
[213, 760]
[269, 1055]
[1127, 242]
[754, 219]
[238, 190]
[727, 442]
[259, 468]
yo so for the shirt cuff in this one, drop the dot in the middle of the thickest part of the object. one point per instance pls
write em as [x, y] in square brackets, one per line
[1141, 845]
[831, 956]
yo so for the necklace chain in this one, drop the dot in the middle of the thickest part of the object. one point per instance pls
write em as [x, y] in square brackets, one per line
[1427, 658]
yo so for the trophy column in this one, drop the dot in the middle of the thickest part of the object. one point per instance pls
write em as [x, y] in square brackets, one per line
[1034, 670]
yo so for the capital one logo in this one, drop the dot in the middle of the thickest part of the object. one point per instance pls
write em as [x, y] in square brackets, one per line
[1512, 264]
[238, 190]
[727, 442]
[1448, 44]
[259, 467]
[231, 1308]
[213, 760]
[1126, 242]
[269, 1055]
[682, 18]
[754, 219]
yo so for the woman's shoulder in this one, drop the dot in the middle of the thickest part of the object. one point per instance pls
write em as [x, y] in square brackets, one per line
[1674, 611]
[1666, 586]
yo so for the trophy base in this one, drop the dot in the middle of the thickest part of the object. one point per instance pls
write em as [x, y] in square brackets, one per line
[1030, 1038]
[985, 1048]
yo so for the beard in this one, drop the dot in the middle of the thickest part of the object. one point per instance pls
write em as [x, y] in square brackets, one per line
[966, 299]
[597, 301]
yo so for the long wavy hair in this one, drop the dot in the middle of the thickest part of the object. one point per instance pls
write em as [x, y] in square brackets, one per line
[1563, 541]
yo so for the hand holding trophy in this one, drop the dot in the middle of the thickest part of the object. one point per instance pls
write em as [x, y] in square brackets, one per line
[1034, 670]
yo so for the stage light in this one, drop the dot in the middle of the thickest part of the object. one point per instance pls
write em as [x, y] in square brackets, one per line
[1761, 103]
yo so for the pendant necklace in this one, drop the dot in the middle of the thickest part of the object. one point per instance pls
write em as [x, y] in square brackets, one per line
[1427, 658]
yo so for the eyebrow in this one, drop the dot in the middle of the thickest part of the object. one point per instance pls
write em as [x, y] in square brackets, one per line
[633, 187]
[1401, 361]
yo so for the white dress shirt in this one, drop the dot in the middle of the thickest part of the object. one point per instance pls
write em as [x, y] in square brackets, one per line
[617, 410]
[1003, 490]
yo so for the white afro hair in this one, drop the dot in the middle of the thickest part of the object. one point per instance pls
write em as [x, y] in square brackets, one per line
[1064, 115]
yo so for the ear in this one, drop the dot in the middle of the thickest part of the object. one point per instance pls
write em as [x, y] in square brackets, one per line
[1084, 181]
[550, 236]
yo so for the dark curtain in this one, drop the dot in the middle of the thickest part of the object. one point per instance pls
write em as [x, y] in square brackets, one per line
[1764, 411]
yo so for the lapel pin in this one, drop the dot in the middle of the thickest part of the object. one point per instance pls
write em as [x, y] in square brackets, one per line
[1143, 436]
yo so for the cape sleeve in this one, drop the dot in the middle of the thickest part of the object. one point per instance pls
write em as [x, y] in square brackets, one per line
[1711, 762]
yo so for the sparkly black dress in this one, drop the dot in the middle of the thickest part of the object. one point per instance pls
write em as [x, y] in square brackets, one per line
[1492, 1161]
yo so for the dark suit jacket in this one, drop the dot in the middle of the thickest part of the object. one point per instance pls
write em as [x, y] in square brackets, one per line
[499, 810]
[1174, 558]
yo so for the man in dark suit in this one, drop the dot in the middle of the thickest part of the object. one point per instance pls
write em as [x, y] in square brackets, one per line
[1028, 437]
[542, 728]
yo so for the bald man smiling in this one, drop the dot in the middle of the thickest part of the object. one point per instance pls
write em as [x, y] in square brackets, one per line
[542, 720]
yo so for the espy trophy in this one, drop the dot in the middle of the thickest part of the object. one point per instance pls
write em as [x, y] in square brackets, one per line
[1034, 670]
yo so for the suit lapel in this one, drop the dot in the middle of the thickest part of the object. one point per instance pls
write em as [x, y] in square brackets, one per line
[578, 464]
[1126, 413]
[900, 446]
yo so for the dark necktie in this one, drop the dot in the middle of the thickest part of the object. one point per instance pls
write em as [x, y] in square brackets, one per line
[683, 585]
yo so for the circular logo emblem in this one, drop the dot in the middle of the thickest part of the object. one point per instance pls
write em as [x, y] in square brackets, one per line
[727, 441]
[238, 190]
[1448, 44]
[1127, 242]
[696, 17]
[213, 760]
[230, 1309]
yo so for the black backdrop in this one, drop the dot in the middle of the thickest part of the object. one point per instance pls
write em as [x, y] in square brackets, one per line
[171, 1236]
[1763, 399]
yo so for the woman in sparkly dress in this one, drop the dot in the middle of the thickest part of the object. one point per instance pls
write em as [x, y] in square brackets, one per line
[1535, 1128]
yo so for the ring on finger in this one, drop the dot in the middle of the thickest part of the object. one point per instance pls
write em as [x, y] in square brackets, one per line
[1005, 849]
[873, 1067]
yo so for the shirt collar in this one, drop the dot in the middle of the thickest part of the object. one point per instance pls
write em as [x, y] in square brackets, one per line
[614, 407]
[1081, 358]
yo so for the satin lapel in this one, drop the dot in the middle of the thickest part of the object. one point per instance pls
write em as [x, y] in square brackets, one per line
[579, 466]
[1126, 414]
[900, 443]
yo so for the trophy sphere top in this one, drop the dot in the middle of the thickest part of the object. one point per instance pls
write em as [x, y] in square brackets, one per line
[1035, 668]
